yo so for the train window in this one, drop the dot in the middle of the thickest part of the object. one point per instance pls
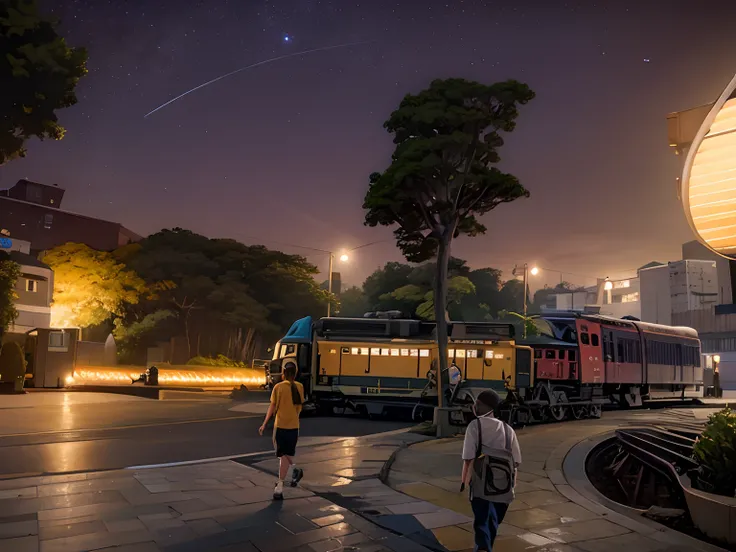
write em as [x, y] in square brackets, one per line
[394, 352]
[472, 353]
[620, 351]
[584, 339]
[550, 354]
[594, 340]
[375, 351]
[364, 351]
[489, 354]
[460, 353]
[345, 351]
[451, 353]
[424, 352]
[499, 356]
[354, 351]
[562, 354]
[404, 352]
[571, 355]
[414, 352]
[385, 352]
[537, 353]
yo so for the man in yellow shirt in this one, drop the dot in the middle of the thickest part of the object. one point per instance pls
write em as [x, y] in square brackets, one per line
[287, 398]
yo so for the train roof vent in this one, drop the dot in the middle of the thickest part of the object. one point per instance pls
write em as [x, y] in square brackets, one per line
[482, 330]
[353, 327]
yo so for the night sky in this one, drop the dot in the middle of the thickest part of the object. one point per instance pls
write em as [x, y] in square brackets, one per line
[282, 152]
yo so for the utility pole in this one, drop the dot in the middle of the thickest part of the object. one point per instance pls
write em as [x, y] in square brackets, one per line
[329, 285]
[525, 273]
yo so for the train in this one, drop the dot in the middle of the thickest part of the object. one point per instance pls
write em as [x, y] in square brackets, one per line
[574, 365]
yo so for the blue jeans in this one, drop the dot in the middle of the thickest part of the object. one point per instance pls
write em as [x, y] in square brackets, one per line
[488, 516]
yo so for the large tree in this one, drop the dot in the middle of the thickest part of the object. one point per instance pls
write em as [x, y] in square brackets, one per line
[38, 75]
[442, 175]
[90, 286]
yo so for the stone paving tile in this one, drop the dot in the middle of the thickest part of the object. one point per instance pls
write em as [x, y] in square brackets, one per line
[168, 536]
[138, 547]
[583, 530]
[25, 492]
[630, 541]
[64, 521]
[298, 524]
[115, 526]
[454, 538]
[205, 527]
[94, 541]
[416, 507]
[26, 506]
[20, 544]
[18, 529]
[442, 518]
[328, 520]
[71, 530]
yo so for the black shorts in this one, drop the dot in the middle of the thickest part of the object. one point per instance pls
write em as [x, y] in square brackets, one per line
[285, 441]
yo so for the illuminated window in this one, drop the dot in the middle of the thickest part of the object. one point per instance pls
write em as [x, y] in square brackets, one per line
[48, 220]
[489, 354]
[394, 352]
[404, 352]
[472, 353]
[460, 353]
[59, 341]
[385, 352]
[424, 352]
[375, 351]
[621, 284]
[451, 353]
[32, 286]
[355, 351]
[498, 356]
[630, 297]
[333, 351]
[414, 352]
[364, 351]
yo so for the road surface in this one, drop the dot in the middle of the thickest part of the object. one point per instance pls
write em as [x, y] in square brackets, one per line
[60, 432]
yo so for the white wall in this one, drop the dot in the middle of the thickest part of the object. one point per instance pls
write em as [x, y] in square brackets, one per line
[695, 250]
[654, 295]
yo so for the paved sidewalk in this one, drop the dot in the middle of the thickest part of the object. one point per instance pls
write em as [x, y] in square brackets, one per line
[548, 514]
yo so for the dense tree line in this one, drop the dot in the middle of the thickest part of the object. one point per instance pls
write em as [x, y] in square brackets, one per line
[218, 295]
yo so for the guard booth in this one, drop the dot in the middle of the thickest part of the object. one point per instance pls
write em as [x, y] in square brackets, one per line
[50, 356]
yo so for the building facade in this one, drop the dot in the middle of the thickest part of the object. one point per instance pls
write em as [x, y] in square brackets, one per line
[32, 212]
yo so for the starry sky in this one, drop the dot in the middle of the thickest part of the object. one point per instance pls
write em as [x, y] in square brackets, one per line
[280, 154]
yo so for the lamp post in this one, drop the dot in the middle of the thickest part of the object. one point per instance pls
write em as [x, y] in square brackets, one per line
[524, 269]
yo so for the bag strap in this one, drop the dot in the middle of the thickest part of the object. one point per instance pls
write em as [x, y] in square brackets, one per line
[507, 435]
[479, 448]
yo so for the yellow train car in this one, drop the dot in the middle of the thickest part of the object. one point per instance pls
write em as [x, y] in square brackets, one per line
[375, 365]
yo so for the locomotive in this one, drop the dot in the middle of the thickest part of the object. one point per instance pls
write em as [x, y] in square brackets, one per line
[577, 363]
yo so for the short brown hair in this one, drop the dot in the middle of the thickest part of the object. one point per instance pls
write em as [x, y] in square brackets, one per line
[489, 399]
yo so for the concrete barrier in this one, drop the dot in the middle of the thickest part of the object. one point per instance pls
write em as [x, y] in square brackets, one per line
[714, 515]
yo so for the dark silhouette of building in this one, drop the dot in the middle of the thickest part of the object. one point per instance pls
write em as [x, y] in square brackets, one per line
[32, 212]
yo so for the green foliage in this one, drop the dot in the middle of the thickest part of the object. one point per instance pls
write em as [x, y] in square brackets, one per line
[716, 452]
[219, 360]
[89, 286]
[129, 338]
[12, 362]
[441, 175]
[527, 322]
[39, 74]
[458, 287]
[353, 303]
[224, 294]
[9, 274]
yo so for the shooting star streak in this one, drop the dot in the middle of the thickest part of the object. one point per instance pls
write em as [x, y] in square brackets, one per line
[264, 62]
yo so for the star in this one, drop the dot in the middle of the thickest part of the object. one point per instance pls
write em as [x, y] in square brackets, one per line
[287, 38]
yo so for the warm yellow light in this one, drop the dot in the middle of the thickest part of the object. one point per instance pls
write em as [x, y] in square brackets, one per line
[69, 379]
[717, 358]
[608, 286]
[344, 257]
[534, 271]
[709, 177]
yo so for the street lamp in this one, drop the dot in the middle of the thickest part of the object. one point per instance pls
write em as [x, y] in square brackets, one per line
[534, 270]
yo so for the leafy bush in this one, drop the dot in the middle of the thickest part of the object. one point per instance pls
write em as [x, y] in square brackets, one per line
[220, 360]
[716, 452]
[12, 362]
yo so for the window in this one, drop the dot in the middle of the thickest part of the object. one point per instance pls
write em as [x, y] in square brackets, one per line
[32, 286]
[630, 297]
[594, 340]
[58, 341]
[620, 351]
[489, 354]
[424, 353]
[572, 355]
[385, 352]
[375, 351]
[404, 352]
[561, 354]
[460, 353]
[48, 220]
[414, 352]
[537, 353]
[473, 353]
[549, 354]
[451, 353]
[584, 339]
[355, 351]
[394, 352]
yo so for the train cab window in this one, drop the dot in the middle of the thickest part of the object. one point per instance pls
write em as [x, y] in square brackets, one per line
[537, 353]
[584, 338]
[424, 353]
[571, 355]
[562, 354]
[594, 340]
[550, 354]
[620, 352]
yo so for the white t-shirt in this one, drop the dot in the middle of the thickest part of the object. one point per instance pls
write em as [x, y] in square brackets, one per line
[493, 438]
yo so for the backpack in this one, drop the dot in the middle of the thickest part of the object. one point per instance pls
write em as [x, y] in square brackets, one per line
[493, 473]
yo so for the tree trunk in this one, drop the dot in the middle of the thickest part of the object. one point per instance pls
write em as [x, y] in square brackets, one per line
[440, 315]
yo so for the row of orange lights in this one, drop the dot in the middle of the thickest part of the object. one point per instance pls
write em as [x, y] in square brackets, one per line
[212, 378]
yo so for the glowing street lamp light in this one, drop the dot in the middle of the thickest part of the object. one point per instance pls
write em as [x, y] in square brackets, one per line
[608, 286]
[344, 257]
[534, 270]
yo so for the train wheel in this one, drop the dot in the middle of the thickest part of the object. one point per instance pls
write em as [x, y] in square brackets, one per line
[557, 412]
[579, 412]
[595, 411]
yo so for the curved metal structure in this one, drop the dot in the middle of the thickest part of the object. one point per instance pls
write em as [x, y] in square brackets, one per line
[709, 177]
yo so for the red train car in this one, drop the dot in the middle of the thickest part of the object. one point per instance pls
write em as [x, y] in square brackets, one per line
[584, 360]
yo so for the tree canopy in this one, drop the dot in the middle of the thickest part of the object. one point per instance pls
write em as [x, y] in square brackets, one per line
[442, 175]
[39, 73]
[89, 286]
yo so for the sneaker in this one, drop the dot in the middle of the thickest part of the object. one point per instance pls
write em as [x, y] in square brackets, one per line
[278, 491]
[297, 476]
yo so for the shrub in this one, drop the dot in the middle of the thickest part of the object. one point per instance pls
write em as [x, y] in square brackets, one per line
[12, 362]
[220, 361]
[716, 452]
